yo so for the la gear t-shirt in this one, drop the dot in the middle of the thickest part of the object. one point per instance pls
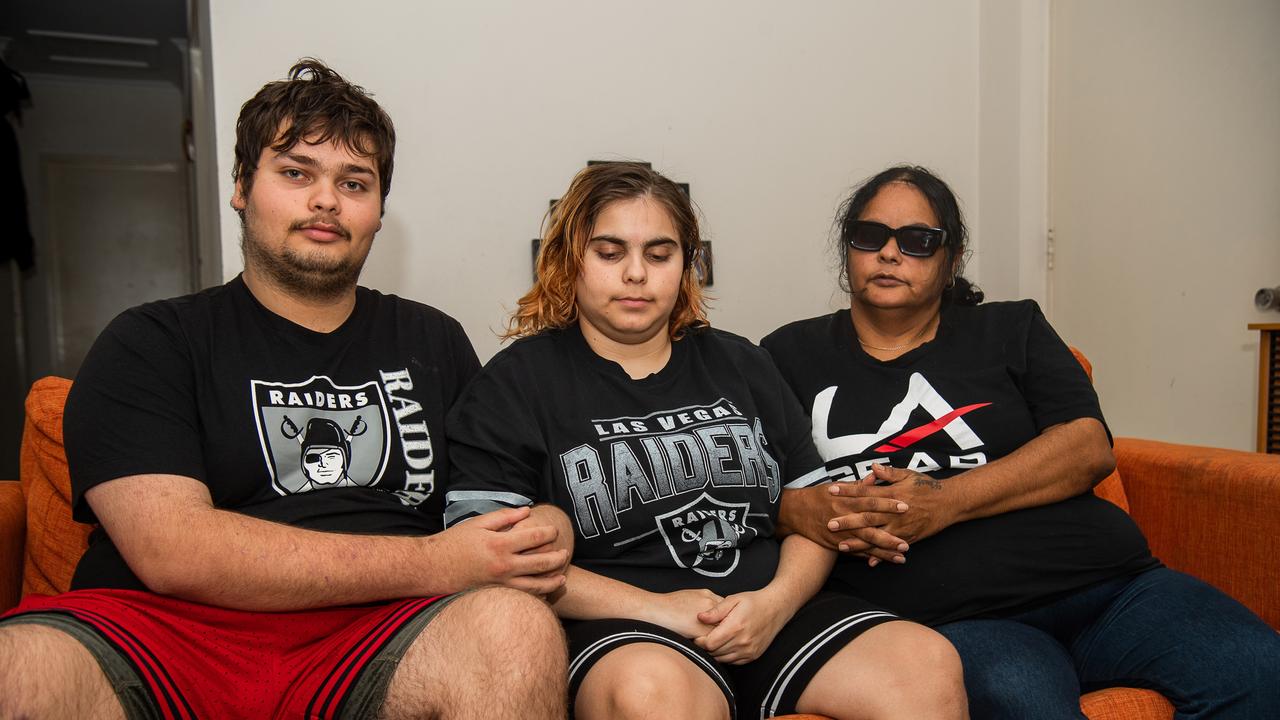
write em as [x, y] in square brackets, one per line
[994, 377]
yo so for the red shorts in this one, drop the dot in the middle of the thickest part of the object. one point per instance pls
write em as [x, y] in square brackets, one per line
[195, 660]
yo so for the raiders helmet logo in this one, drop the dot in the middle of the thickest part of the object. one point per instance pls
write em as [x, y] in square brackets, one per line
[706, 535]
[316, 434]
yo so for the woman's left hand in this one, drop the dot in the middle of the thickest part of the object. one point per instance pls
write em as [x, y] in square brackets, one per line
[928, 511]
[745, 624]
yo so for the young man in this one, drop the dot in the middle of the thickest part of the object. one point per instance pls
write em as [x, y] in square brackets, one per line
[240, 572]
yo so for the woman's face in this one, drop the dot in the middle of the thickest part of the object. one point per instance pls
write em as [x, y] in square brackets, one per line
[631, 271]
[887, 279]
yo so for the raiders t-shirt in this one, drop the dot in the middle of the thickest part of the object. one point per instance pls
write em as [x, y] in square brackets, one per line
[994, 377]
[672, 481]
[339, 431]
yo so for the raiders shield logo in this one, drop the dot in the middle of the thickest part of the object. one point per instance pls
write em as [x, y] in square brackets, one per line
[705, 535]
[316, 434]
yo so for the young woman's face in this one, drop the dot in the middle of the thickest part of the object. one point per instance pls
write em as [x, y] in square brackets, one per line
[631, 271]
[886, 278]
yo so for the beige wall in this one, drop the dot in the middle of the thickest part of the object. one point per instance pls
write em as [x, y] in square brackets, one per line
[771, 111]
[1165, 197]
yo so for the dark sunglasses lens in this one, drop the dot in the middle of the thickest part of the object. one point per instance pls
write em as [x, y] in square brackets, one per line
[868, 236]
[919, 242]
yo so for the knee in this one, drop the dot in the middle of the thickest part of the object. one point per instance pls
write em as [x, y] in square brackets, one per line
[1018, 684]
[1249, 680]
[45, 673]
[1008, 683]
[519, 623]
[658, 681]
[929, 665]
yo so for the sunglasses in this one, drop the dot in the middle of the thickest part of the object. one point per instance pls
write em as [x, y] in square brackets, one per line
[913, 241]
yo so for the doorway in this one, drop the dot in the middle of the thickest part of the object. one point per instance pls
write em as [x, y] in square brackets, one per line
[117, 159]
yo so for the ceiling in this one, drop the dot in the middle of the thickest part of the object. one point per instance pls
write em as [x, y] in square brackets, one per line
[118, 40]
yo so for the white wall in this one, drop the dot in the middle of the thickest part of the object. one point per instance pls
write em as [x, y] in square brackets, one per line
[771, 112]
[1166, 206]
[1011, 230]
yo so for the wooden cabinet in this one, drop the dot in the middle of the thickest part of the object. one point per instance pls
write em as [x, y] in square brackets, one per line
[1268, 387]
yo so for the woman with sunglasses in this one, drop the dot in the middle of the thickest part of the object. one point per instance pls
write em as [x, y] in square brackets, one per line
[668, 444]
[966, 440]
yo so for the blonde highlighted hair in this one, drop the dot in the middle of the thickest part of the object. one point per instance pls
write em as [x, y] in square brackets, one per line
[552, 302]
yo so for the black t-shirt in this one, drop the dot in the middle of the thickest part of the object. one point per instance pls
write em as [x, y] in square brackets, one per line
[994, 377]
[672, 481]
[339, 431]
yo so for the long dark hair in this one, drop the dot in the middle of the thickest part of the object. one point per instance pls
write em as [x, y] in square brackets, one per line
[959, 291]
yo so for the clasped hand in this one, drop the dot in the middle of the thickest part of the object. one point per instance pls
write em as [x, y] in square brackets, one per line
[879, 516]
[734, 629]
[500, 548]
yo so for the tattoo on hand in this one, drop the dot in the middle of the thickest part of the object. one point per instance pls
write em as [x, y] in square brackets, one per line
[932, 483]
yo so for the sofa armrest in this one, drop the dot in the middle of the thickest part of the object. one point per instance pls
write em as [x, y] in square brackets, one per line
[13, 535]
[1209, 512]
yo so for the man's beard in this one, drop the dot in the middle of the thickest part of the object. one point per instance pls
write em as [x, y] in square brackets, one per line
[314, 276]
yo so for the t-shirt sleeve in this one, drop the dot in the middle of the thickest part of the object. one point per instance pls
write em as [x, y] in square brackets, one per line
[132, 409]
[1055, 386]
[465, 362]
[495, 445]
[804, 466]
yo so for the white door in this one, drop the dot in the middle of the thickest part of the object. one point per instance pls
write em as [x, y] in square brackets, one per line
[1165, 206]
[118, 237]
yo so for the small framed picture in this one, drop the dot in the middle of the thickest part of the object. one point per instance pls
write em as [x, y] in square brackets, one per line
[706, 274]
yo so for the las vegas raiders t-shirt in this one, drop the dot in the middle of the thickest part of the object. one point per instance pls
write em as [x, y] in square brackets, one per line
[994, 377]
[672, 481]
[339, 431]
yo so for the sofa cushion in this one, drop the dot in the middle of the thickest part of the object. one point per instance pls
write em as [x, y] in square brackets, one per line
[1112, 487]
[1126, 704]
[13, 534]
[55, 542]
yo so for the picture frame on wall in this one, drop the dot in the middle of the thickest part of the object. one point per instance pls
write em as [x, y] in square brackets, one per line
[706, 275]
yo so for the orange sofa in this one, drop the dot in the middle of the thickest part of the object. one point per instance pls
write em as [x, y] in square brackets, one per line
[1209, 512]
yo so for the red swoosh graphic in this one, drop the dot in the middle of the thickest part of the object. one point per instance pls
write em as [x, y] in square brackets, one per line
[915, 435]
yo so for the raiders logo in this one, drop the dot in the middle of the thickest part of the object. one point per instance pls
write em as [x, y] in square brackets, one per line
[705, 535]
[316, 434]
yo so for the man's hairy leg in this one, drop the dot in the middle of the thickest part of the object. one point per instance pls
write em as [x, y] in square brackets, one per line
[495, 652]
[45, 673]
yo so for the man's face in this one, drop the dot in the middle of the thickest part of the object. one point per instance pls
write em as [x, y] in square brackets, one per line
[323, 466]
[309, 217]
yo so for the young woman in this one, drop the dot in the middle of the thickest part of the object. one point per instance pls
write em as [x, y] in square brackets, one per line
[980, 421]
[668, 445]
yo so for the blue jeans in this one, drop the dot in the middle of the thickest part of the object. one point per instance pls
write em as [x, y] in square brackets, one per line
[1161, 629]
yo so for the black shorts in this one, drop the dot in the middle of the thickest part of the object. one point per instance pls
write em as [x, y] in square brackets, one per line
[767, 686]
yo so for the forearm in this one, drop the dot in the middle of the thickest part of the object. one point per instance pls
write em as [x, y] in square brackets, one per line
[803, 566]
[591, 596]
[1061, 462]
[177, 543]
[231, 560]
[795, 511]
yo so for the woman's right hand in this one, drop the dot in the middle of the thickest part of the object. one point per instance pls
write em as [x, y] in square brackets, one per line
[678, 611]
[849, 522]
